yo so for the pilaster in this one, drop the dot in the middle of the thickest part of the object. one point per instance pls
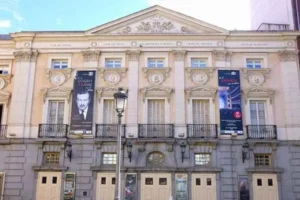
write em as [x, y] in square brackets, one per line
[91, 58]
[222, 58]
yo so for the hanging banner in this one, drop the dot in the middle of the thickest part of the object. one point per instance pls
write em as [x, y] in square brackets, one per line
[181, 187]
[83, 102]
[130, 187]
[243, 188]
[69, 191]
[230, 102]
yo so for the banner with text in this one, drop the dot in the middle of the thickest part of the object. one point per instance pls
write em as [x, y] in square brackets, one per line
[83, 102]
[230, 102]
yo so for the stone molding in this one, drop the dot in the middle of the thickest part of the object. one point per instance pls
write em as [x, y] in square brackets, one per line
[58, 76]
[286, 55]
[5, 79]
[256, 77]
[200, 76]
[179, 55]
[26, 56]
[5, 96]
[156, 91]
[156, 76]
[113, 76]
[90, 55]
[222, 55]
[200, 91]
[258, 92]
[133, 55]
[57, 92]
[107, 91]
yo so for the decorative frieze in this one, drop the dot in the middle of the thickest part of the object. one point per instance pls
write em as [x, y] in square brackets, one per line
[200, 75]
[156, 76]
[57, 92]
[133, 55]
[26, 56]
[222, 55]
[156, 91]
[288, 55]
[113, 76]
[256, 77]
[90, 55]
[258, 92]
[58, 76]
[200, 91]
[179, 55]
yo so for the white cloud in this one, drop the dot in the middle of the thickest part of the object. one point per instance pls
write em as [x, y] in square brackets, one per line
[5, 24]
[13, 7]
[228, 14]
[58, 21]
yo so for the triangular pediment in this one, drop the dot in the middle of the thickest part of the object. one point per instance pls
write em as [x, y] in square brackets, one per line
[156, 20]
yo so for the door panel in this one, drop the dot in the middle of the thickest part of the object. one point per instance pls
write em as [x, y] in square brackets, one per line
[106, 186]
[204, 187]
[156, 186]
[48, 186]
[265, 187]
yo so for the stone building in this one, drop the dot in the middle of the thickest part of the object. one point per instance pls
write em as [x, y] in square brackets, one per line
[187, 133]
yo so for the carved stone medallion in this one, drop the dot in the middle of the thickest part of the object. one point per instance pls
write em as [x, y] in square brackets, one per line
[2, 83]
[156, 78]
[200, 77]
[112, 77]
[256, 79]
[57, 78]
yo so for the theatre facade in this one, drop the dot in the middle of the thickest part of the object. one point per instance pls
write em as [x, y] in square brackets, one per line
[212, 114]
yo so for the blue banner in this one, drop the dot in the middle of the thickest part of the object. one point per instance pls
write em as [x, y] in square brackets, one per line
[230, 102]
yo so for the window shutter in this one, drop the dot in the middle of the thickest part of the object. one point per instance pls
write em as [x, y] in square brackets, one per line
[109, 112]
[156, 111]
[56, 112]
[201, 112]
[258, 112]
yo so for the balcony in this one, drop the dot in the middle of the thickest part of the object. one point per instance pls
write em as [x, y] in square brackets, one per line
[208, 131]
[53, 130]
[3, 130]
[261, 131]
[156, 130]
[109, 130]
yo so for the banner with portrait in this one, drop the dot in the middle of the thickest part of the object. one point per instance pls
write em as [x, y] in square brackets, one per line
[83, 102]
[230, 102]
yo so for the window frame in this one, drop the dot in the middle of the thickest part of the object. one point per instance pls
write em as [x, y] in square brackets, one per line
[57, 106]
[254, 64]
[45, 158]
[260, 161]
[61, 61]
[268, 110]
[156, 55]
[105, 56]
[167, 109]
[7, 67]
[114, 60]
[66, 57]
[199, 59]
[256, 56]
[46, 109]
[100, 106]
[109, 153]
[156, 63]
[207, 164]
[199, 55]
[212, 114]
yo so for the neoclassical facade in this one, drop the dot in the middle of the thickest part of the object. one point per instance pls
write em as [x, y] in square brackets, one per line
[190, 130]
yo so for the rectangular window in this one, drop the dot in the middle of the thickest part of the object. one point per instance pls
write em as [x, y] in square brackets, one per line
[155, 63]
[109, 112]
[202, 159]
[112, 63]
[262, 160]
[198, 62]
[201, 111]
[4, 69]
[56, 112]
[156, 111]
[59, 63]
[109, 158]
[51, 158]
[258, 112]
[254, 63]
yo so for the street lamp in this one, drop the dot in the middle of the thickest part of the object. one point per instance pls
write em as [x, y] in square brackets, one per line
[120, 101]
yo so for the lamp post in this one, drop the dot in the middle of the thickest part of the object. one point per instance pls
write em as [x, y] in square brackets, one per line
[120, 101]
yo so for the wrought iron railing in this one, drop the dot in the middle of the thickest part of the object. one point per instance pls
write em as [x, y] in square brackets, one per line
[202, 130]
[261, 131]
[3, 131]
[156, 130]
[109, 130]
[53, 130]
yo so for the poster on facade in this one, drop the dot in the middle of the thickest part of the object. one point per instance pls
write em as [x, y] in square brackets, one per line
[243, 188]
[181, 187]
[83, 102]
[230, 102]
[69, 189]
[130, 187]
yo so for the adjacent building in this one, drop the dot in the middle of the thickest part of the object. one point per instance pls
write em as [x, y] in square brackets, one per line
[212, 114]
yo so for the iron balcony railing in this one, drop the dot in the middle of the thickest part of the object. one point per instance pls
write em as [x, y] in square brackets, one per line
[261, 131]
[156, 130]
[53, 130]
[3, 131]
[202, 130]
[109, 130]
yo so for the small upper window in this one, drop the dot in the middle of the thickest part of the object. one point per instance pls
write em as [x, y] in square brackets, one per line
[59, 64]
[198, 62]
[109, 158]
[155, 63]
[51, 158]
[254, 63]
[4, 69]
[112, 63]
[262, 159]
[202, 159]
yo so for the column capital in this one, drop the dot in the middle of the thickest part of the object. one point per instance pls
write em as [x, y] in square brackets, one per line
[287, 55]
[179, 55]
[222, 55]
[133, 55]
[26, 56]
[90, 55]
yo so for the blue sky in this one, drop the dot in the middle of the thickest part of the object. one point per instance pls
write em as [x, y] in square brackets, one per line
[31, 15]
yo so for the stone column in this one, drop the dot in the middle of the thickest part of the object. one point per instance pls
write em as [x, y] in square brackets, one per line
[91, 58]
[180, 123]
[133, 89]
[291, 91]
[222, 58]
[21, 103]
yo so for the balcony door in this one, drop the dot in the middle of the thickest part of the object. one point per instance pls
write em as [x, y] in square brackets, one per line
[156, 118]
[55, 118]
[201, 127]
[258, 119]
[110, 119]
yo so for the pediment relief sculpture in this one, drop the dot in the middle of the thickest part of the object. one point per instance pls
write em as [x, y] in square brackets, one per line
[57, 92]
[107, 91]
[113, 76]
[156, 76]
[200, 91]
[258, 92]
[156, 91]
[58, 76]
[5, 79]
[256, 77]
[200, 76]
[5, 96]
